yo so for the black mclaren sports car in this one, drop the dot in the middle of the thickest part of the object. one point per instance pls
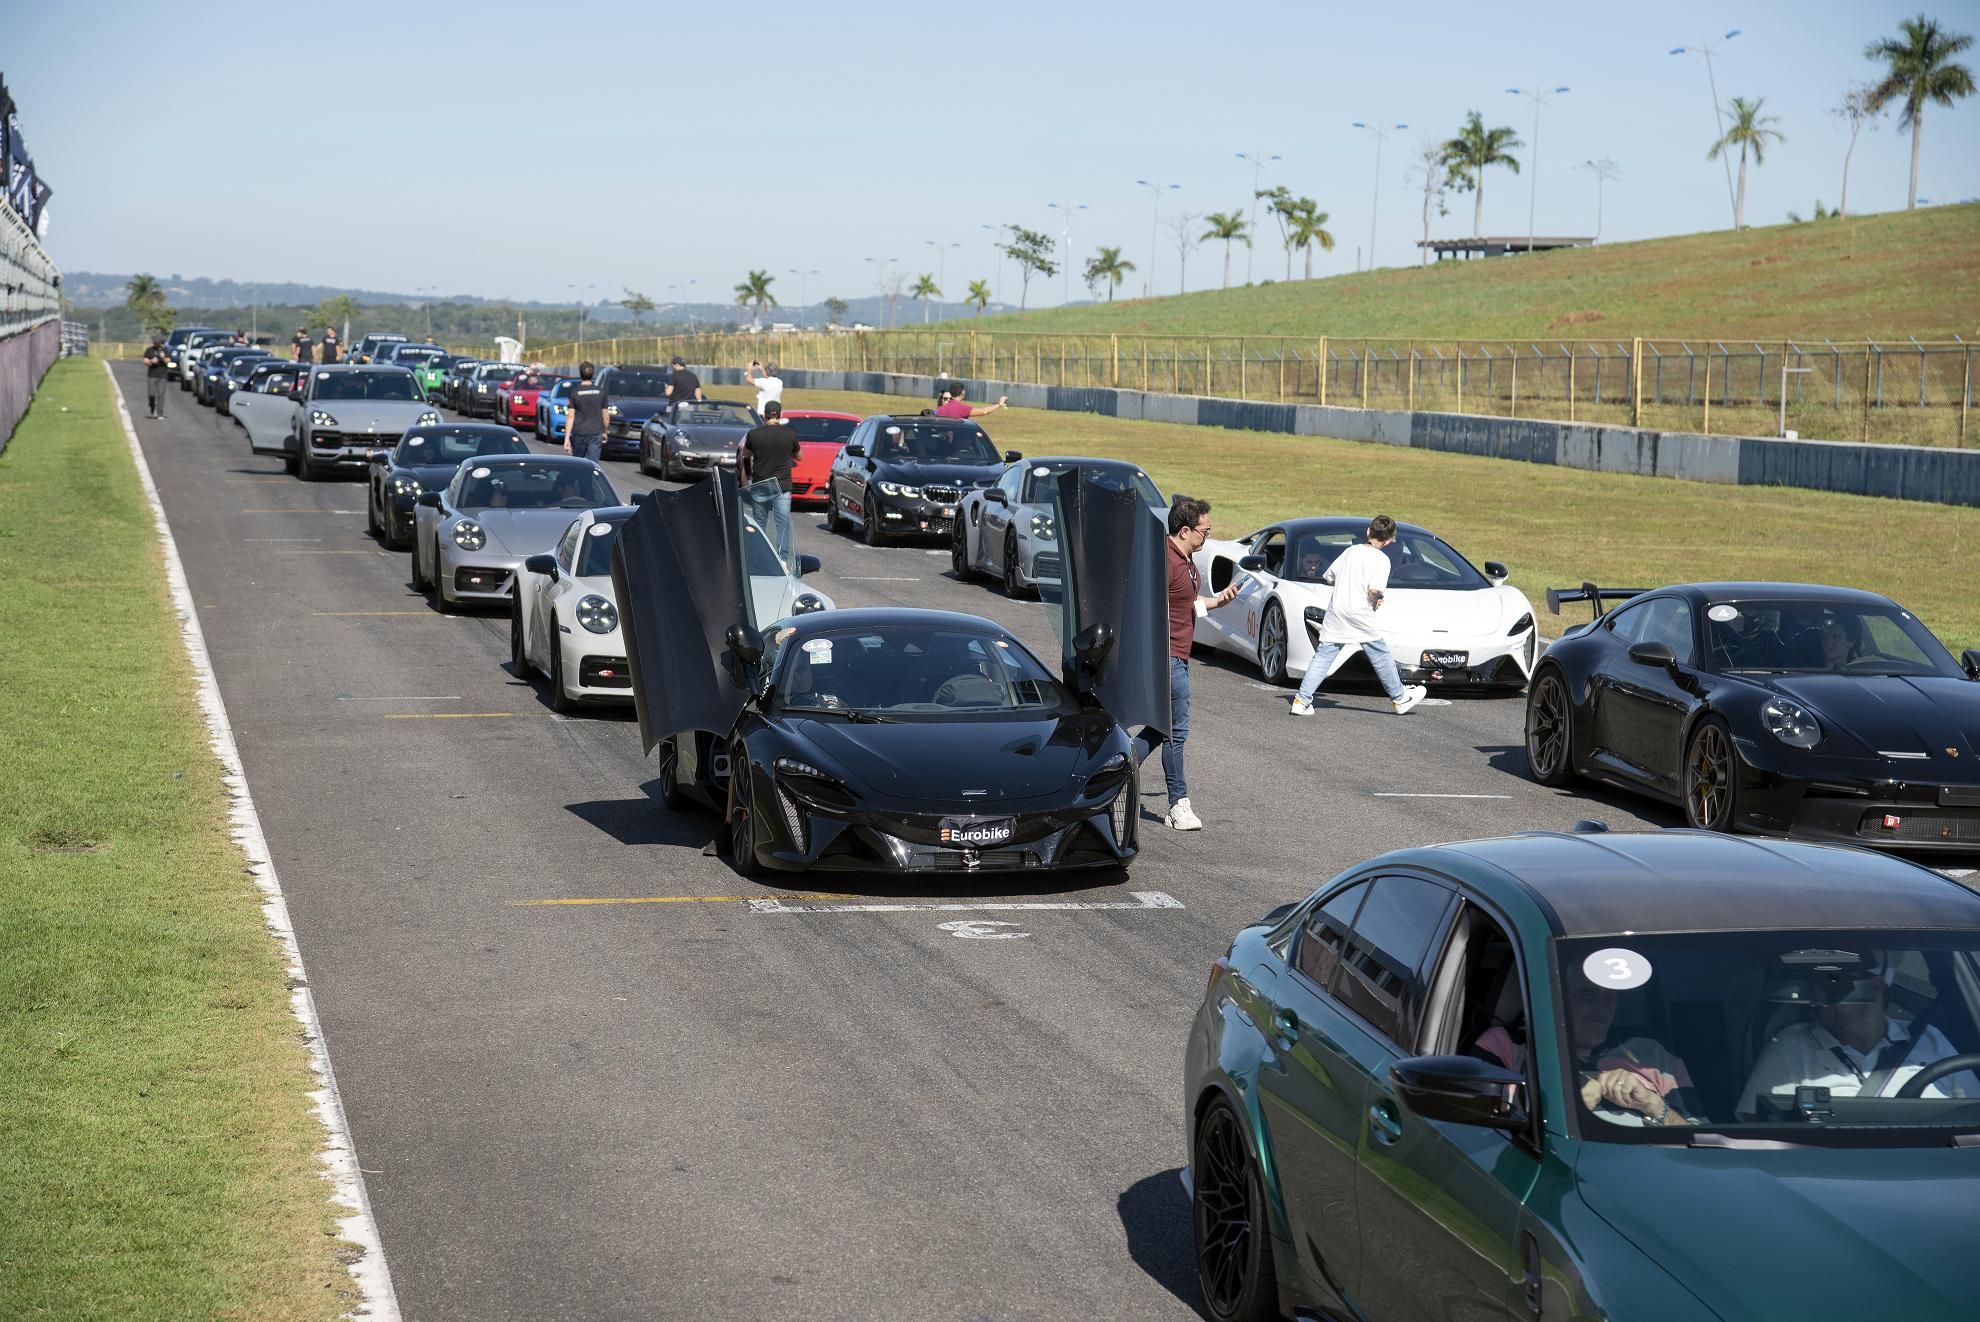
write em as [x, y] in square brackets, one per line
[1776, 708]
[896, 740]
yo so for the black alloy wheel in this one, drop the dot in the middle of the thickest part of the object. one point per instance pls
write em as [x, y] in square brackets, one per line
[518, 649]
[959, 552]
[833, 524]
[672, 796]
[1711, 778]
[742, 822]
[560, 702]
[1272, 645]
[304, 468]
[869, 526]
[418, 576]
[1549, 730]
[371, 523]
[645, 456]
[1227, 1210]
[1013, 585]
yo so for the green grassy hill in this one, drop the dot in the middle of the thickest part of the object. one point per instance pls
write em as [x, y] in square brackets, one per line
[1892, 275]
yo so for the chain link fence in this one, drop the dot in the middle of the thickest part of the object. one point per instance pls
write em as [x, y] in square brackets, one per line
[1911, 392]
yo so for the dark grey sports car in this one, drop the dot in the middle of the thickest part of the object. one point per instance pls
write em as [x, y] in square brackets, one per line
[694, 437]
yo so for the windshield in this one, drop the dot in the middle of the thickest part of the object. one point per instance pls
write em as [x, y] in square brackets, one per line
[1041, 482]
[821, 429]
[1416, 559]
[919, 441]
[595, 550]
[276, 383]
[495, 373]
[635, 385]
[416, 353]
[367, 385]
[451, 445]
[1821, 1033]
[529, 381]
[243, 366]
[713, 415]
[536, 487]
[1813, 637]
[916, 672]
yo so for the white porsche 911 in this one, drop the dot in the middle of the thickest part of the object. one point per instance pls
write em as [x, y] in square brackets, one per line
[564, 622]
[1446, 623]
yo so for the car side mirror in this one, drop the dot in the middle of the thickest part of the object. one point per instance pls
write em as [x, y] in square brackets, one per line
[1251, 564]
[996, 496]
[856, 452]
[745, 650]
[1653, 654]
[542, 564]
[1460, 1090]
[1970, 658]
[1012, 456]
[430, 499]
[809, 564]
[1092, 644]
[1496, 571]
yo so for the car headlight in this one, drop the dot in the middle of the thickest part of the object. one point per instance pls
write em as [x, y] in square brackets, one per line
[790, 766]
[896, 489]
[680, 437]
[597, 614]
[1111, 774]
[1791, 723]
[1521, 625]
[427, 419]
[318, 418]
[469, 536]
[806, 603]
[611, 410]
[1043, 528]
[406, 486]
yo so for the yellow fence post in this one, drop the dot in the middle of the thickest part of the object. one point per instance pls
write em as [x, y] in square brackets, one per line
[1144, 365]
[1412, 376]
[1708, 394]
[1241, 366]
[1209, 372]
[1323, 370]
[972, 353]
[1636, 382]
[1364, 374]
[1282, 371]
[1114, 339]
[1866, 390]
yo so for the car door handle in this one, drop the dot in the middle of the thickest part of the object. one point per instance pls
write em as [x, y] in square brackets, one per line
[1285, 1028]
[1384, 1122]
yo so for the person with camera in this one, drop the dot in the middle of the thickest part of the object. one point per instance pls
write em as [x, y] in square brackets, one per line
[769, 386]
[154, 379]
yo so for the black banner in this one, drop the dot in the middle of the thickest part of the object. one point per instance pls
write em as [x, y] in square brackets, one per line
[26, 192]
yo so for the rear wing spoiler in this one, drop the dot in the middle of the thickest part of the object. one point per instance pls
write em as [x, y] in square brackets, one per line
[1590, 593]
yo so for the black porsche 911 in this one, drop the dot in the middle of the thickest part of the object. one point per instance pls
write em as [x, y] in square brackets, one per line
[424, 460]
[896, 740]
[1776, 708]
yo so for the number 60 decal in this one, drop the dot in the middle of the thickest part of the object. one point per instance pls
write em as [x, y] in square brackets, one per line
[1616, 968]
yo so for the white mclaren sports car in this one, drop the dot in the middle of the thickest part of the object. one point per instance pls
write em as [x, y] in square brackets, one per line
[564, 622]
[1446, 623]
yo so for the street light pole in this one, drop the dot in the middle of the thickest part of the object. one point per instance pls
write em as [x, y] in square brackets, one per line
[804, 303]
[578, 293]
[1538, 98]
[1258, 164]
[1381, 136]
[1708, 50]
[1603, 170]
[996, 260]
[1148, 285]
[1065, 241]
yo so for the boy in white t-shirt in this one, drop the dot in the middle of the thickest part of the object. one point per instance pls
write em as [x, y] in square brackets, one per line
[769, 386]
[1360, 576]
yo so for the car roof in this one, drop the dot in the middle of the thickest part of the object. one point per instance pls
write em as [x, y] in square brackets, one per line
[512, 460]
[469, 427]
[1084, 461]
[934, 418]
[1741, 591]
[1603, 883]
[1334, 523]
[869, 617]
[822, 413]
[344, 369]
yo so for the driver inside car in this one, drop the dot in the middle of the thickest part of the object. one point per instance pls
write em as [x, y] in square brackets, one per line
[1853, 1046]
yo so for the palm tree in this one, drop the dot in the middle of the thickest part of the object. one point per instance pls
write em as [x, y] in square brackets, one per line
[979, 294]
[754, 293]
[1749, 131]
[924, 289]
[1919, 68]
[1474, 150]
[1308, 227]
[1108, 266]
[143, 289]
[1226, 225]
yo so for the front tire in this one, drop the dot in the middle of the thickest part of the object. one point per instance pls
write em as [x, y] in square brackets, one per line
[959, 553]
[869, 528]
[833, 523]
[1232, 1231]
[1013, 585]
[518, 646]
[418, 575]
[672, 796]
[560, 701]
[371, 521]
[1272, 645]
[1711, 778]
[1549, 730]
[742, 821]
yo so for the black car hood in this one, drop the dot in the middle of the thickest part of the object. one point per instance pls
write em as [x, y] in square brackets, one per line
[938, 763]
[1896, 714]
[709, 435]
[635, 408]
[431, 477]
[1806, 1232]
[965, 476]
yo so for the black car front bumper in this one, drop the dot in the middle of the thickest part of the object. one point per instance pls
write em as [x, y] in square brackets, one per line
[1855, 801]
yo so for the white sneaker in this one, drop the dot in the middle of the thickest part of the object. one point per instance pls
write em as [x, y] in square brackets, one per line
[1412, 694]
[1300, 708]
[1182, 818]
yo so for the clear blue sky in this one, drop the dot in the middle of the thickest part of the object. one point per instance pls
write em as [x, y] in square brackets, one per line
[814, 136]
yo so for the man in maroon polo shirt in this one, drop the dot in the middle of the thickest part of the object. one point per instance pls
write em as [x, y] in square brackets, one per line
[954, 407]
[1189, 528]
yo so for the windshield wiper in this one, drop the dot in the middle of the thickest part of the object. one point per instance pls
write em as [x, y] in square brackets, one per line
[1706, 1138]
[851, 714]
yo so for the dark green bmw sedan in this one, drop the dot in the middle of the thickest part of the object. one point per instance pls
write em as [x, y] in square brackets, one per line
[1647, 1077]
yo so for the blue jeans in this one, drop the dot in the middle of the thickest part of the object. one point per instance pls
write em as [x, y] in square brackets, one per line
[1172, 746]
[773, 515]
[588, 447]
[1378, 657]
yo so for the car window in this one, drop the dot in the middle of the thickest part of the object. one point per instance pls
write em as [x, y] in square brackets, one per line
[1314, 554]
[1668, 620]
[1323, 936]
[1809, 636]
[545, 486]
[1418, 560]
[1627, 622]
[1273, 547]
[1475, 1005]
[634, 385]
[1009, 483]
[594, 551]
[820, 429]
[389, 384]
[567, 546]
[1392, 933]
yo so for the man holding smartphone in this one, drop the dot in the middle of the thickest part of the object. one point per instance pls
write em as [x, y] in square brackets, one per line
[1360, 576]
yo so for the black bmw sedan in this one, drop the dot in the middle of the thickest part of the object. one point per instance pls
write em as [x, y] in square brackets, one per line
[906, 474]
[1778, 708]
[424, 460]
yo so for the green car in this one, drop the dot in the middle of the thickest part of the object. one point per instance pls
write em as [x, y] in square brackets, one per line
[1589, 1075]
[428, 364]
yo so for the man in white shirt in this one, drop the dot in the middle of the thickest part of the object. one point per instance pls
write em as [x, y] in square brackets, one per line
[1852, 1047]
[769, 386]
[1360, 576]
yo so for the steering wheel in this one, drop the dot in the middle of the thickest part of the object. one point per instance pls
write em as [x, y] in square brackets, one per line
[1915, 1085]
[951, 694]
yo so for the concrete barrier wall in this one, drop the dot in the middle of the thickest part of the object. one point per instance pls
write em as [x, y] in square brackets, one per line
[24, 360]
[1904, 472]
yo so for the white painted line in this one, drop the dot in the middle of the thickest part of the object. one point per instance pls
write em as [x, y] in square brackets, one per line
[981, 929]
[1434, 702]
[408, 697]
[935, 553]
[1142, 900]
[876, 578]
[1398, 794]
[281, 539]
[339, 1155]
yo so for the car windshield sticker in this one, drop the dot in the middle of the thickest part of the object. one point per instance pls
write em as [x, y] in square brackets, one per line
[415, 440]
[1722, 614]
[1041, 471]
[1616, 968]
[820, 651]
[481, 472]
[322, 376]
[601, 530]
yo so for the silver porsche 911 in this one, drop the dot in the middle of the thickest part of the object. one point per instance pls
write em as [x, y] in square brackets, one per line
[470, 538]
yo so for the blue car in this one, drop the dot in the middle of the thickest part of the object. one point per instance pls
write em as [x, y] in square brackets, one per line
[551, 406]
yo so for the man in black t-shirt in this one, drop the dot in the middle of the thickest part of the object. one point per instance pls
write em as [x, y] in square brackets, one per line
[303, 344]
[329, 345]
[682, 384]
[584, 415]
[768, 454]
[154, 380]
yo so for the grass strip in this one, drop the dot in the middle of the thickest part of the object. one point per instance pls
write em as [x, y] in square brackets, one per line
[158, 1152]
[1552, 526]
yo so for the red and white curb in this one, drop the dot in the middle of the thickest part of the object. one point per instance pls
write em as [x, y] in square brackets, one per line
[339, 1155]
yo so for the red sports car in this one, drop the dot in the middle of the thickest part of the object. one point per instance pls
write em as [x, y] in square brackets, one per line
[821, 433]
[515, 399]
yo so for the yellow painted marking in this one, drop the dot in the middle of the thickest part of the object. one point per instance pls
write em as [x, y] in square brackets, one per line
[456, 715]
[681, 899]
[344, 614]
[292, 509]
